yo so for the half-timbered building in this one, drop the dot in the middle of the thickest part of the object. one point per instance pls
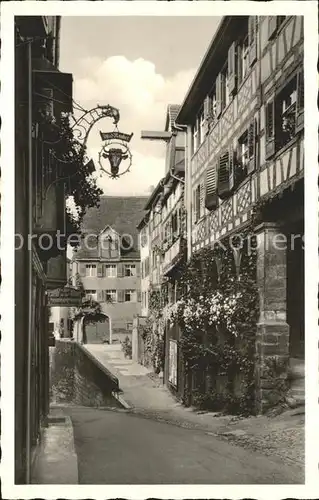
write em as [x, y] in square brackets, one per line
[245, 147]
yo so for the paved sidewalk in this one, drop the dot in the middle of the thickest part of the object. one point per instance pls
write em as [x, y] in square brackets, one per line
[56, 459]
[282, 435]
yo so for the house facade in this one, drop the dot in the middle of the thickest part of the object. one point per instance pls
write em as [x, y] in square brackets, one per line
[165, 223]
[245, 148]
[108, 266]
[42, 92]
[144, 244]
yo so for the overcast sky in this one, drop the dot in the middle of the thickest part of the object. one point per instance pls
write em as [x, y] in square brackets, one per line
[139, 65]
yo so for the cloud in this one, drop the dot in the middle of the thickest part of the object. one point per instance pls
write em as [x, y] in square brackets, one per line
[142, 95]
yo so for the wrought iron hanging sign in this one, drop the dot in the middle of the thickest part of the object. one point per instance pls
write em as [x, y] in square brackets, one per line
[115, 149]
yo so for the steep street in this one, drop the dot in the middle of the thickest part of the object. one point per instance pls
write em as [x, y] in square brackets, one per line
[115, 447]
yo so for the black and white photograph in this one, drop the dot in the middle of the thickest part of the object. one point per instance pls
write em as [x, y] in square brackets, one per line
[159, 239]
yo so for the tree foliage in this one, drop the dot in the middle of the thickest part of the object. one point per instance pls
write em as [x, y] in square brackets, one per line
[74, 166]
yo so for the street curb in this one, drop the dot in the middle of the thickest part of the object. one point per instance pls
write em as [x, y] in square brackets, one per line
[56, 461]
[122, 401]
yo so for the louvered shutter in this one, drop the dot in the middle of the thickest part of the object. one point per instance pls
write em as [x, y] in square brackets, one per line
[100, 270]
[219, 95]
[300, 102]
[120, 295]
[252, 39]
[202, 199]
[223, 176]
[272, 26]
[82, 269]
[232, 173]
[270, 128]
[100, 295]
[120, 270]
[252, 146]
[232, 69]
[139, 296]
[211, 199]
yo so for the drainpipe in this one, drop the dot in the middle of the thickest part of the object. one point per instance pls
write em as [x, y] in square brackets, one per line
[30, 269]
[189, 190]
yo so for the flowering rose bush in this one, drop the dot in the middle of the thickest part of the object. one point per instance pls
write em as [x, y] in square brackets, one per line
[214, 310]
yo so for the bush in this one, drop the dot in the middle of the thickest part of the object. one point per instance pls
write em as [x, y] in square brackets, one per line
[127, 347]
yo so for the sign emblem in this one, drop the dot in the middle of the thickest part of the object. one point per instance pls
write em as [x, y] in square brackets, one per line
[115, 149]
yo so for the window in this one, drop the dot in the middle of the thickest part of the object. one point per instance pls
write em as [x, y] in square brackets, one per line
[110, 271]
[129, 326]
[130, 296]
[287, 103]
[211, 106]
[175, 224]
[202, 123]
[282, 115]
[225, 87]
[129, 270]
[195, 136]
[90, 270]
[110, 295]
[91, 295]
[243, 58]
[109, 247]
[243, 153]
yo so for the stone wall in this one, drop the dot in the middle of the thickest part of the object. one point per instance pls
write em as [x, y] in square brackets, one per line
[77, 377]
[272, 341]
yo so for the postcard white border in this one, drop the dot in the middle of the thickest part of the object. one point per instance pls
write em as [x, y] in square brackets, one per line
[152, 8]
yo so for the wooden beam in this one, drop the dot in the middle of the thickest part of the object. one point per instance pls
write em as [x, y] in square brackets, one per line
[156, 136]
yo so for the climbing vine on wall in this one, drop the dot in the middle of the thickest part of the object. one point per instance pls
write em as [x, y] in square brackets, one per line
[153, 331]
[217, 314]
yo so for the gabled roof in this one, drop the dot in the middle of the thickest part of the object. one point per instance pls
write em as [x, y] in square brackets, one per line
[108, 227]
[121, 214]
[227, 31]
[172, 112]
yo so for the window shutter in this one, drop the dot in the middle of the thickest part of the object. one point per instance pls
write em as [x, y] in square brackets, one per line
[232, 73]
[100, 295]
[239, 68]
[220, 99]
[138, 269]
[272, 26]
[120, 270]
[232, 173]
[252, 133]
[223, 176]
[194, 205]
[82, 269]
[252, 39]
[139, 296]
[270, 128]
[100, 270]
[211, 200]
[207, 108]
[300, 102]
[120, 295]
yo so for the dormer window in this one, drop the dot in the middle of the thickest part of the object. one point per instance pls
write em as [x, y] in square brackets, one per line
[109, 246]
